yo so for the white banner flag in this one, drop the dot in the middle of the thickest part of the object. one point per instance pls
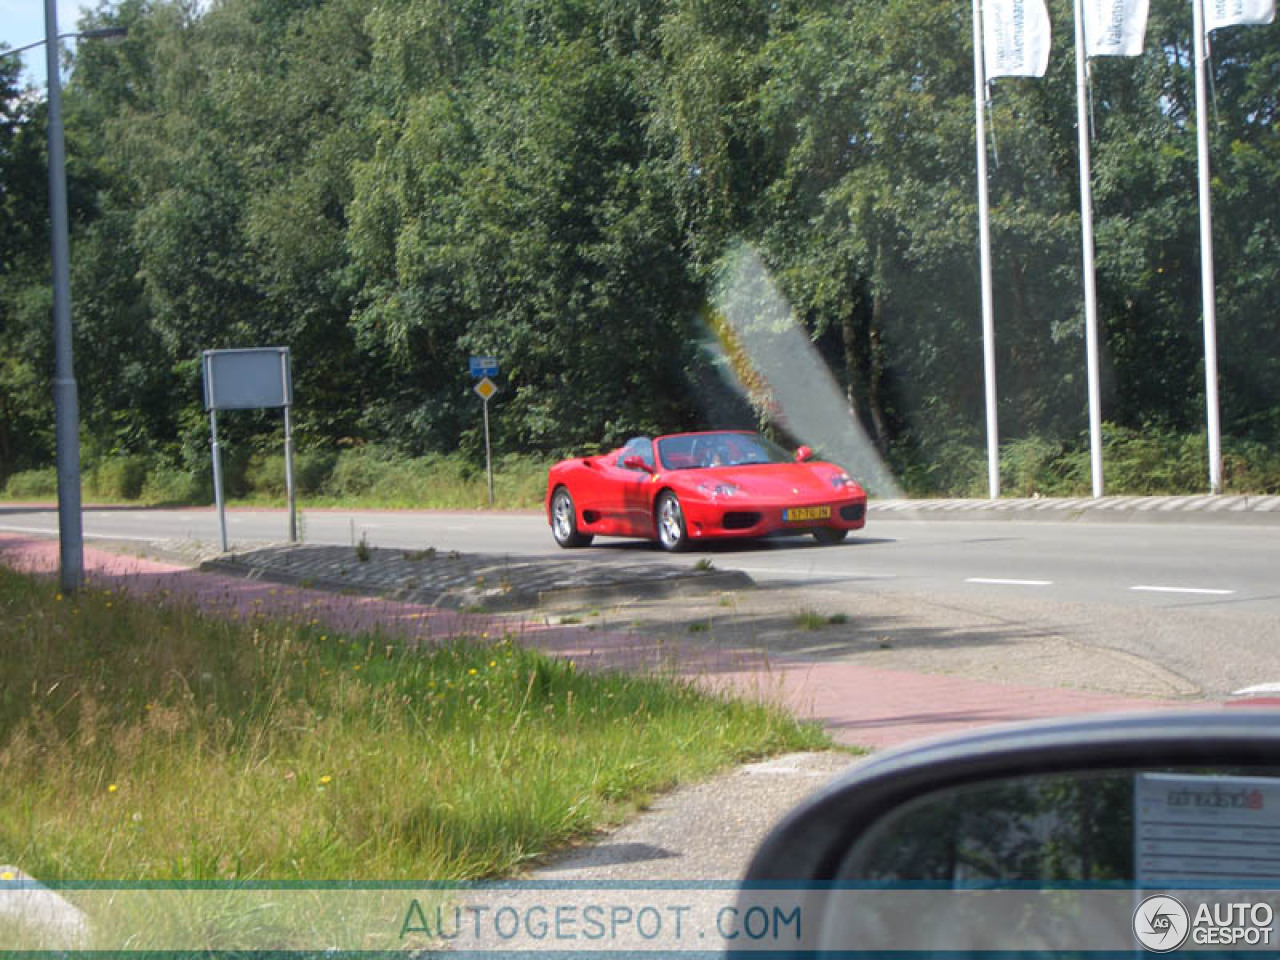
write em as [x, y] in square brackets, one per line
[1229, 13]
[1015, 38]
[1115, 28]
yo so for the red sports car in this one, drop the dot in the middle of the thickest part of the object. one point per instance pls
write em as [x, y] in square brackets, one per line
[701, 486]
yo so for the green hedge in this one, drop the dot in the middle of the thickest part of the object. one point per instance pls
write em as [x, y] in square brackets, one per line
[1136, 462]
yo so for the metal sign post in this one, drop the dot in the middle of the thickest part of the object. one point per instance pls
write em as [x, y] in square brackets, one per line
[249, 380]
[486, 389]
[482, 368]
[217, 476]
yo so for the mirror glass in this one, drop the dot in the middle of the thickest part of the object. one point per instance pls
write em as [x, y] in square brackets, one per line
[1107, 827]
[1115, 860]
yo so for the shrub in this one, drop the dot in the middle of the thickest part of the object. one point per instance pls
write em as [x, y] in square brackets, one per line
[356, 472]
[118, 478]
[438, 481]
[176, 486]
[264, 476]
[312, 470]
[32, 485]
[1149, 461]
[1250, 467]
[956, 469]
[1027, 467]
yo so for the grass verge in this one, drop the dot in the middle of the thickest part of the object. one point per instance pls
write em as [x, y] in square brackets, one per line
[142, 741]
[366, 477]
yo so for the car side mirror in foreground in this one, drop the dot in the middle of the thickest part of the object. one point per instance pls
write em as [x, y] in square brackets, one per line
[803, 454]
[634, 462]
[1134, 832]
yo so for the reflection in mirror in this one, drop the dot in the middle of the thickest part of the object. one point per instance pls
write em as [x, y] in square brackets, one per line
[1057, 862]
[1078, 828]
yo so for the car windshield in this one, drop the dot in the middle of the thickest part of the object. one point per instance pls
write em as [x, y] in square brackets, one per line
[702, 450]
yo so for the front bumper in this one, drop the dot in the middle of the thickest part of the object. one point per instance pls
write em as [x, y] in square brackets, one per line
[721, 518]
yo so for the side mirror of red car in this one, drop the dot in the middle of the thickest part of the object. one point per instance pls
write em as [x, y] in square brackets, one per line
[803, 454]
[634, 462]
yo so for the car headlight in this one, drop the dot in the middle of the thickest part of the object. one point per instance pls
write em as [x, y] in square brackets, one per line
[714, 490]
[841, 481]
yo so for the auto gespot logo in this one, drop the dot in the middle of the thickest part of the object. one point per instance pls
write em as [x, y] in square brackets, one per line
[1162, 924]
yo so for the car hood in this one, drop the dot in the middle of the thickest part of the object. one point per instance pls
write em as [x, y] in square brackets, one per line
[781, 481]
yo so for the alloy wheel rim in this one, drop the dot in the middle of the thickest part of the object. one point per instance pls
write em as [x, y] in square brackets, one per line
[670, 521]
[561, 516]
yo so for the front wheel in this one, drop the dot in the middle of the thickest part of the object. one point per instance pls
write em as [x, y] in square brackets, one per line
[827, 536]
[564, 521]
[671, 529]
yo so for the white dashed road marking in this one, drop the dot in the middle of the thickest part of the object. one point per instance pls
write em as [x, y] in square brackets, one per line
[1256, 689]
[1147, 588]
[1010, 583]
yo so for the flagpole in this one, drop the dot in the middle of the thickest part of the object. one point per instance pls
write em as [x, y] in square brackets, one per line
[1086, 230]
[984, 259]
[1206, 257]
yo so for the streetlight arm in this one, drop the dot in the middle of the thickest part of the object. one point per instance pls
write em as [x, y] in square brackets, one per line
[101, 33]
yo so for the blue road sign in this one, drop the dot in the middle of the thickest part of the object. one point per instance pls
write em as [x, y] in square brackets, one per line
[481, 367]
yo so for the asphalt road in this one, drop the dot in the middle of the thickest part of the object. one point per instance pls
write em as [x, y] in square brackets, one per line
[1201, 600]
[1231, 568]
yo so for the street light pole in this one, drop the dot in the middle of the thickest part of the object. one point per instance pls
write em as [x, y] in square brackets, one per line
[65, 399]
[66, 405]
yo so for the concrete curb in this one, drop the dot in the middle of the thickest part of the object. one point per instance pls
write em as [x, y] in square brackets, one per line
[40, 918]
[469, 582]
[1215, 510]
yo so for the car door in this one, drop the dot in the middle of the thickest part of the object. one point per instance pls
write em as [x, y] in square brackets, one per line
[637, 493]
[631, 489]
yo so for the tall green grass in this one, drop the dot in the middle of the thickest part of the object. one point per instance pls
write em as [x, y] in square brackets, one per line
[1152, 460]
[146, 741]
[1148, 462]
[367, 476]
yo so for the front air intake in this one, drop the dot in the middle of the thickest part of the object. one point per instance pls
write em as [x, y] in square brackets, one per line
[740, 520]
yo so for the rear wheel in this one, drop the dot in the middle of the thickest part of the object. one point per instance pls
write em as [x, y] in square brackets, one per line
[827, 536]
[671, 529]
[564, 521]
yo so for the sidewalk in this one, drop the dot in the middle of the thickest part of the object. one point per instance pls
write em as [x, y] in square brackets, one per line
[860, 706]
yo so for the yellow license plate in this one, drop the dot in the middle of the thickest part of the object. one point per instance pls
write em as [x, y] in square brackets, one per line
[801, 514]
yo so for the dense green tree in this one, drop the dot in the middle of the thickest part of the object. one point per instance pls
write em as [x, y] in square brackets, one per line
[561, 183]
[26, 351]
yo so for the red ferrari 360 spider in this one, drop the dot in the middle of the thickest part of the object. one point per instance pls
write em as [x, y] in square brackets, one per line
[701, 486]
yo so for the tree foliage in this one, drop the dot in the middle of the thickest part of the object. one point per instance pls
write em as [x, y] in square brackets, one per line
[388, 189]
